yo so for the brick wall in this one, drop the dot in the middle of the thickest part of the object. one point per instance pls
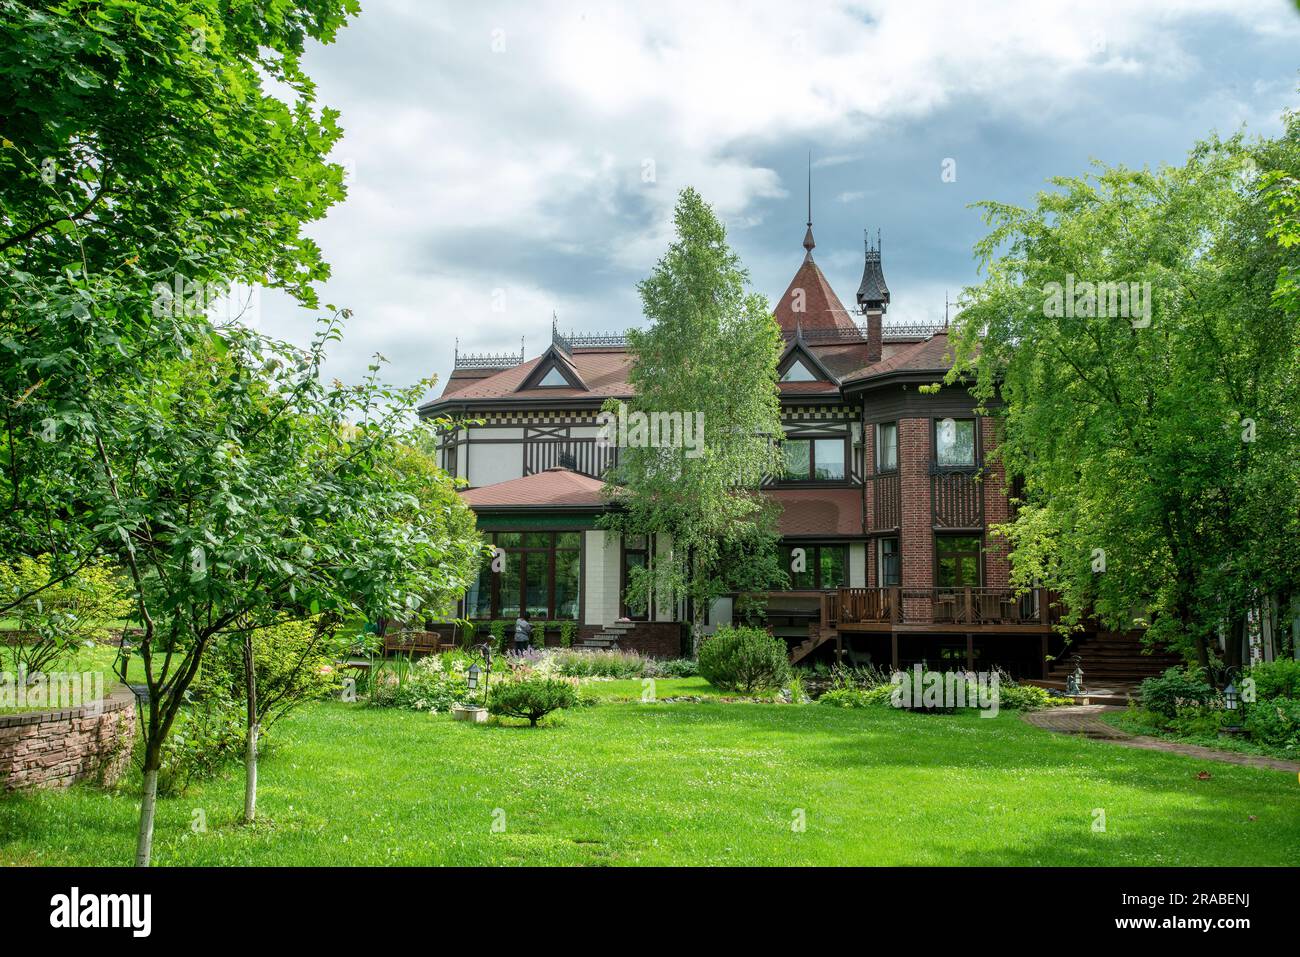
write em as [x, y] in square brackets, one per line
[917, 533]
[658, 639]
[56, 748]
[997, 510]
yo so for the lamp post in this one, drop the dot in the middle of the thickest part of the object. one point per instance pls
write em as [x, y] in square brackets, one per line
[465, 711]
[1232, 705]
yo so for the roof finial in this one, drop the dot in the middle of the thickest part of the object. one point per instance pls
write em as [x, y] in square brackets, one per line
[808, 242]
[945, 308]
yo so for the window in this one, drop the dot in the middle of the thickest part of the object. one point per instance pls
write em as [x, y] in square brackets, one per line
[553, 377]
[887, 447]
[954, 442]
[636, 554]
[957, 561]
[815, 567]
[540, 571]
[813, 460]
[798, 372]
[888, 567]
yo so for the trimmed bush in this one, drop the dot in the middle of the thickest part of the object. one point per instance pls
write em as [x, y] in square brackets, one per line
[532, 698]
[1176, 688]
[744, 660]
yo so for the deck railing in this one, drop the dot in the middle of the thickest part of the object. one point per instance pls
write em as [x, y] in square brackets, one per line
[975, 607]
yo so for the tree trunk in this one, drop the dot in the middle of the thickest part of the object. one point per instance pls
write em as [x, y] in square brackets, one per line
[254, 729]
[250, 774]
[148, 802]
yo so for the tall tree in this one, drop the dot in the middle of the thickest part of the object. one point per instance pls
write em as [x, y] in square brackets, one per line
[1153, 431]
[708, 357]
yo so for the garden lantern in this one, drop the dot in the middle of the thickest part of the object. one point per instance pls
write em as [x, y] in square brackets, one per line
[1231, 697]
[473, 676]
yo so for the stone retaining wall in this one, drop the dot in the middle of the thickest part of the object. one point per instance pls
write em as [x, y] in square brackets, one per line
[56, 748]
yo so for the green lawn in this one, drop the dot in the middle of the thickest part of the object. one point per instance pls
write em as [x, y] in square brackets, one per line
[688, 784]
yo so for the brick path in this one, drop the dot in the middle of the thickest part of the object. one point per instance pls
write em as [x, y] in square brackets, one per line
[1086, 720]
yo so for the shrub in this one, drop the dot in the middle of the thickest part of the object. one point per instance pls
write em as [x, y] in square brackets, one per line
[876, 696]
[676, 668]
[601, 664]
[1018, 697]
[62, 616]
[432, 684]
[1176, 688]
[568, 631]
[1275, 723]
[208, 735]
[532, 698]
[498, 631]
[294, 662]
[1276, 679]
[744, 659]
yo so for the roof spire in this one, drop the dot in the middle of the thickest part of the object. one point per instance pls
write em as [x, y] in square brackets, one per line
[873, 294]
[808, 242]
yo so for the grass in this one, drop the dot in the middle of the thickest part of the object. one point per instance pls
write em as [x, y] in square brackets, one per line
[672, 784]
[98, 658]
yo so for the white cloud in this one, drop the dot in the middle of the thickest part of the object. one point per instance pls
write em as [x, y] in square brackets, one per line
[474, 169]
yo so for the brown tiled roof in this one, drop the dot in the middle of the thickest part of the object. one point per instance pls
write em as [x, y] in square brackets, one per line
[813, 511]
[929, 355]
[605, 371]
[822, 308]
[553, 488]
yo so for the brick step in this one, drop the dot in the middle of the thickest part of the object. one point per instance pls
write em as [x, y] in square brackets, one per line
[1117, 661]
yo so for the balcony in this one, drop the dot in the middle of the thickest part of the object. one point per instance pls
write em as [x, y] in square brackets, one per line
[585, 455]
[940, 609]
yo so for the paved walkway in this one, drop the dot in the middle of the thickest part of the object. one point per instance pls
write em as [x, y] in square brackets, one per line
[1086, 720]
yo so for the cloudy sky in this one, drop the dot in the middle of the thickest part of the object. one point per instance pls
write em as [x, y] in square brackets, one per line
[510, 160]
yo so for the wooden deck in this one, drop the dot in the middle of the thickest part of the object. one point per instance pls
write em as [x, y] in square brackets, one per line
[940, 610]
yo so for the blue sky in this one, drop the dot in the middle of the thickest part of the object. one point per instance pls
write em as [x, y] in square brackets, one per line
[498, 155]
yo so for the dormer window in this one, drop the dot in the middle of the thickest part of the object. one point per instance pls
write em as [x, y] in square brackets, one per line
[553, 378]
[798, 372]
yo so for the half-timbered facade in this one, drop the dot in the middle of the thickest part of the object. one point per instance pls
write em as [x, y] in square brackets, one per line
[886, 494]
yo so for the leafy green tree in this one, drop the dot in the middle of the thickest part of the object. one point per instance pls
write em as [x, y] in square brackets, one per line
[56, 618]
[238, 487]
[1155, 436]
[709, 356]
[143, 168]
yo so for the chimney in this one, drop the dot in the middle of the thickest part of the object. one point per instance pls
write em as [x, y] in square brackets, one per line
[873, 298]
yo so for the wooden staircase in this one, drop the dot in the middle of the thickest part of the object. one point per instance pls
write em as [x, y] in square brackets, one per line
[818, 635]
[1111, 660]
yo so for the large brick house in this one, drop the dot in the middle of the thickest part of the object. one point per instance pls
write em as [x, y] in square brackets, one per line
[887, 489]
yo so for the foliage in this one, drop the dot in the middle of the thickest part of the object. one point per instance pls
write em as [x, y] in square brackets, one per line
[207, 736]
[294, 662]
[532, 698]
[433, 684]
[849, 697]
[1276, 679]
[1153, 446]
[1275, 723]
[744, 659]
[601, 664]
[497, 628]
[55, 615]
[568, 631]
[1017, 697]
[675, 668]
[1176, 689]
[710, 355]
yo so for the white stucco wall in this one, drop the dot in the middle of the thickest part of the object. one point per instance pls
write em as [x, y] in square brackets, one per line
[492, 463]
[601, 577]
